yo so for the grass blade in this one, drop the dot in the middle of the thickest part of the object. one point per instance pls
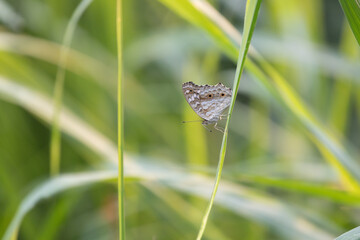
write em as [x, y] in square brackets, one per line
[55, 140]
[311, 189]
[350, 235]
[252, 9]
[121, 191]
[351, 9]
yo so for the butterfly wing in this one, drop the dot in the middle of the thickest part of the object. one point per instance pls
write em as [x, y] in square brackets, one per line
[214, 100]
[207, 101]
[192, 95]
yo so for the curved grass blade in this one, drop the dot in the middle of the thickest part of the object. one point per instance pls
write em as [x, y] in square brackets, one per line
[351, 9]
[55, 140]
[252, 9]
[353, 234]
[240, 200]
[311, 189]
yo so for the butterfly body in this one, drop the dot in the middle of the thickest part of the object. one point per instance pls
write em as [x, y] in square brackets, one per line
[208, 101]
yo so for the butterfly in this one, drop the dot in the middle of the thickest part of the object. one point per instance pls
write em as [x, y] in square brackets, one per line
[208, 101]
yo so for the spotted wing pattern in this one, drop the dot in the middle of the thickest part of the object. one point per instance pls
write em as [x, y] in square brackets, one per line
[208, 101]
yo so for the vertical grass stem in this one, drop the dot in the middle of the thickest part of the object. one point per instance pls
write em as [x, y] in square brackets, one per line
[252, 9]
[120, 122]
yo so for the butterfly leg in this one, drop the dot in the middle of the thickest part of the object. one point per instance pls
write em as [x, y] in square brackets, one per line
[219, 128]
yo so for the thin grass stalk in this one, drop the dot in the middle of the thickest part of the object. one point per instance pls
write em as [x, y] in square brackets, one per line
[252, 9]
[55, 139]
[120, 122]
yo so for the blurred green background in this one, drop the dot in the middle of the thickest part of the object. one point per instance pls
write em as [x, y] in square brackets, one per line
[278, 183]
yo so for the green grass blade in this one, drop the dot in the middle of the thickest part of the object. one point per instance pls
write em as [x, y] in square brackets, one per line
[311, 189]
[55, 140]
[252, 9]
[351, 9]
[350, 235]
[120, 120]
